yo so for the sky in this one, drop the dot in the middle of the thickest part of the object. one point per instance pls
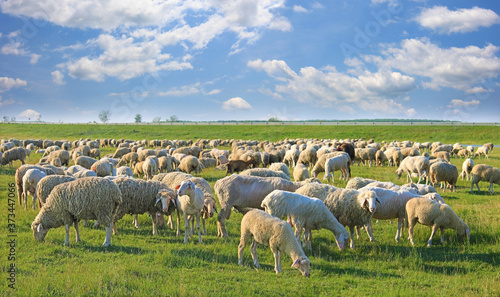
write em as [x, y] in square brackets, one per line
[213, 60]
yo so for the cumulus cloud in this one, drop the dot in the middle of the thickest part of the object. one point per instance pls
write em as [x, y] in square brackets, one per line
[7, 83]
[16, 48]
[445, 21]
[29, 114]
[236, 103]
[58, 77]
[458, 68]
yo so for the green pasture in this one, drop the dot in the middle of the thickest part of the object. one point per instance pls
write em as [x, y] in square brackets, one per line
[140, 264]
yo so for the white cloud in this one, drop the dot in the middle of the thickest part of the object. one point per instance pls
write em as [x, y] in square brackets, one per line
[6, 102]
[235, 104]
[298, 8]
[477, 90]
[34, 58]
[29, 114]
[58, 77]
[458, 68]
[445, 21]
[461, 103]
[14, 48]
[182, 91]
[7, 83]
[213, 92]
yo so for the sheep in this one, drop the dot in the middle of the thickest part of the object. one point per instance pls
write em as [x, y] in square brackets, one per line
[208, 162]
[443, 155]
[91, 198]
[129, 159]
[463, 153]
[165, 164]
[320, 164]
[124, 170]
[103, 168]
[244, 192]
[466, 168]
[320, 191]
[85, 161]
[150, 167]
[30, 181]
[431, 213]
[300, 173]
[380, 158]
[336, 163]
[489, 145]
[95, 153]
[409, 152]
[280, 166]
[275, 233]
[143, 154]
[238, 165]
[265, 172]
[46, 184]
[61, 154]
[21, 171]
[141, 196]
[358, 182]
[393, 205]
[417, 164]
[308, 157]
[353, 208]
[443, 148]
[444, 172]
[291, 157]
[482, 150]
[189, 164]
[192, 200]
[138, 169]
[365, 154]
[483, 172]
[420, 188]
[13, 154]
[120, 152]
[80, 171]
[305, 213]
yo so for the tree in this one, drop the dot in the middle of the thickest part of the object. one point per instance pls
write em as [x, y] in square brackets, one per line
[173, 118]
[274, 119]
[104, 116]
[13, 119]
[6, 119]
[39, 117]
[156, 119]
[138, 118]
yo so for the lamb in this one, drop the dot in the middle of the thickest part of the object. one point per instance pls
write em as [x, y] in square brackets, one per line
[264, 172]
[238, 165]
[150, 167]
[417, 164]
[91, 198]
[276, 233]
[358, 182]
[320, 164]
[444, 172]
[192, 200]
[305, 213]
[13, 154]
[245, 192]
[21, 171]
[353, 208]
[482, 150]
[466, 168]
[300, 173]
[431, 213]
[46, 184]
[85, 161]
[30, 181]
[334, 164]
[124, 170]
[365, 154]
[141, 196]
[189, 164]
[103, 168]
[483, 172]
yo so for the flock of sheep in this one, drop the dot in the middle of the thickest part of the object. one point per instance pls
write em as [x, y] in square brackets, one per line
[155, 178]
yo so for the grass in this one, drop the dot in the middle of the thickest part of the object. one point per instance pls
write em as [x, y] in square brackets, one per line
[140, 264]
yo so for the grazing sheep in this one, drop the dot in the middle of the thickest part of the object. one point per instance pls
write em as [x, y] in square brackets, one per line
[335, 164]
[238, 165]
[59, 154]
[129, 159]
[443, 148]
[208, 162]
[30, 181]
[165, 164]
[143, 154]
[353, 208]
[444, 172]
[46, 184]
[291, 157]
[320, 164]
[442, 155]
[417, 164]
[483, 172]
[365, 154]
[265, 172]
[320, 191]
[308, 157]
[120, 152]
[409, 152]
[13, 154]
[420, 188]
[463, 153]
[244, 192]
[482, 150]
[150, 167]
[189, 164]
[300, 173]
[95, 153]
[380, 158]
[192, 201]
[305, 213]
[138, 171]
[140, 196]
[90, 198]
[124, 170]
[358, 182]
[85, 161]
[466, 168]
[103, 168]
[279, 166]
[21, 171]
[80, 171]
[275, 233]
[431, 213]
[489, 145]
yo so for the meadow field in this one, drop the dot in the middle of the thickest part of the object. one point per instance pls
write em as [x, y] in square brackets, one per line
[140, 264]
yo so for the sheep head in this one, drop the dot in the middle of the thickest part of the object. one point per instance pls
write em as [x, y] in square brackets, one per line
[303, 264]
[185, 187]
[39, 232]
[368, 201]
[167, 198]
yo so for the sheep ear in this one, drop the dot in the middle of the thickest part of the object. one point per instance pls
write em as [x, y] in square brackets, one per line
[364, 204]
[376, 199]
[296, 263]
[39, 228]
[157, 201]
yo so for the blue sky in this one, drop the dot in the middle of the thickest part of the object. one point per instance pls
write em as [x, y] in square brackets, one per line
[249, 60]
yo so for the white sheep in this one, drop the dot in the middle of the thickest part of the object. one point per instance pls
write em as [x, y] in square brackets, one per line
[483, 172]
[103, 168]
[466, 168]
[91, 198]
[305, 213]
[192, 200]
[30, 181]
[432, 213]
[338, 163]
[300, 173]
[21, 171]
[420, 188]
[275, 233]
[46, 184]
[124, 170]
[308, 157]
[482, 150]
[150, 167]
[445, 172]
[320, 164]
[291, 157]
[265, 172]
[189, 164]
[365, 154]
[358, 182]
[416, 164]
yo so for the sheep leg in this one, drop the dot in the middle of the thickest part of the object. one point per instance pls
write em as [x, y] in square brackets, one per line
[77, 231]
[442, 234]
[66, 241]
[491, 188]
[170, 222]
[253, 250]
[358, 232]
[351, 229]
[245, 236]
[221, 224]
[178, 233]
[370, 233]
[399, 232]
[309, 239]
[186, 228]
[34, 200]
[433, 232]
[115, 230]
[136, 222]
[107, 239]
[198, 226]
[153, 218]
[411, 224]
